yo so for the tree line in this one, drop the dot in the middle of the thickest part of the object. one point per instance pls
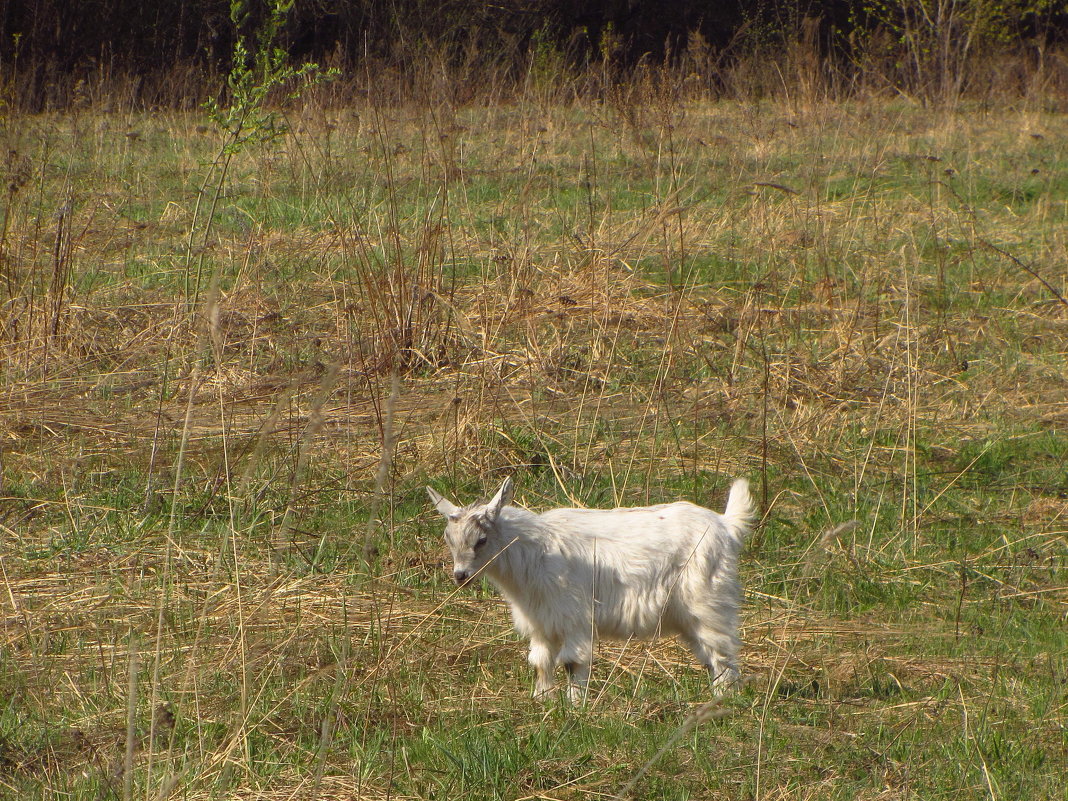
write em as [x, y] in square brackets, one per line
[917, 44]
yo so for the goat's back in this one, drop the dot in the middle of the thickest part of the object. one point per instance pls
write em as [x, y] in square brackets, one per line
[669, 522]
[666, 537]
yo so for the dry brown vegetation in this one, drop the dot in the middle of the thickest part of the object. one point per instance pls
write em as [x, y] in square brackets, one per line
[214, 440]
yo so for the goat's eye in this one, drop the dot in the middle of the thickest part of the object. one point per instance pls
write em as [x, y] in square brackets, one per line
[480, 543]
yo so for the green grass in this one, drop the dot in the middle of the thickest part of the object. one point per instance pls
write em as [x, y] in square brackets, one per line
[612, 310]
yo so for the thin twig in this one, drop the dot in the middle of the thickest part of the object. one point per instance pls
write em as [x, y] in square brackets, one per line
[1026, 268]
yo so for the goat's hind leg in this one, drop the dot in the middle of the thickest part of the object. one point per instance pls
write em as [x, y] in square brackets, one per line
[713, 634]
[718, 652]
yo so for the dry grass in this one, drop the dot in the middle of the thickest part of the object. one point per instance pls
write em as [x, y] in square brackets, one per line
[618, 304]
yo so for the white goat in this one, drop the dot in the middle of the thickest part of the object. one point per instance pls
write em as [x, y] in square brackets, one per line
[572, 574]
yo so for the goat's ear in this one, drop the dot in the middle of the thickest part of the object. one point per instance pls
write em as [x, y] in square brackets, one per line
[445, 507]
[500, 500]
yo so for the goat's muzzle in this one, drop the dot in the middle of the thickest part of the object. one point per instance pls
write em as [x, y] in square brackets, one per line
[461, 577]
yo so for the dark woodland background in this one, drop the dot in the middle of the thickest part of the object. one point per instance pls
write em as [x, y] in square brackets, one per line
[170, 53]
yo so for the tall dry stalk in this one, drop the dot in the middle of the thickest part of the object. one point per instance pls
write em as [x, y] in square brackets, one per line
[314, 423]
[131, 719]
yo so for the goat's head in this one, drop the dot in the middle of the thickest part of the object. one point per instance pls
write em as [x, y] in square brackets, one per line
[471, 531]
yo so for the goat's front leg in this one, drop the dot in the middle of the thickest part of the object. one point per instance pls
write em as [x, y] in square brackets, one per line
[577, 656]
[542, 660]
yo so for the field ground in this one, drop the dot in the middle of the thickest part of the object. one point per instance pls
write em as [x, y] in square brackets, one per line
[226, 380]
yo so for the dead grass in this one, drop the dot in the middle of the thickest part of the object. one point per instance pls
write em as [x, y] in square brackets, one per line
[617, 313]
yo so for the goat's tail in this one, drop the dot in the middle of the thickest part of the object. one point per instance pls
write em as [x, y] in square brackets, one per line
[739, 512]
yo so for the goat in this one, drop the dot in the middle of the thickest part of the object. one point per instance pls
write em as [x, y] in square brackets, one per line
[572, 574]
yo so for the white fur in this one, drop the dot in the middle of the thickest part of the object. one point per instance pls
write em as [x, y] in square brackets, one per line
[572, 574]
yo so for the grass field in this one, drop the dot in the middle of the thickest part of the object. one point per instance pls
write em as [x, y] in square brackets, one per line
[222, 393]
